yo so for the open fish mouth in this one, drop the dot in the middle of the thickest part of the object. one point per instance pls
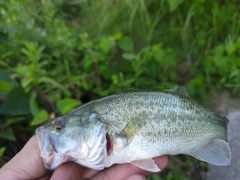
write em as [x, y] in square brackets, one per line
[48, 151]
[44, 142]
[48, 148]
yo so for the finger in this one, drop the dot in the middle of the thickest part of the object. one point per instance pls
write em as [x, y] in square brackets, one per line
[123, 171]
[136, 177]
[161, 162]
[69, 171]
[47, 176]
[88, 173]
[27, 164]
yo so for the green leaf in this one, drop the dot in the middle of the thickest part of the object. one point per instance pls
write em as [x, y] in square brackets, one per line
[3, 37]
[33, 104]
[126, 44]
[154, 177]
[13, 120]
[67, 104]
[101, 92]
[6, 54]
[4, 75]
[128, 56]
[219, 50]
[25, 82]
[230, 46]
[17, 103]
[117, 36]
[17, 92]
[159, 55]
[7, 134]
[54, 83]
[2, 149]
[173, 4]
[40, 118]
[106, 44]
[16, 106]
[5, 86]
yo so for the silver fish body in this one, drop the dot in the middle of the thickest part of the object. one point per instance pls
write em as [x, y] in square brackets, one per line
[133, 127]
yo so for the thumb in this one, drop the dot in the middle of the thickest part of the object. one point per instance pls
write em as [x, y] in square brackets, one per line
[27, 164]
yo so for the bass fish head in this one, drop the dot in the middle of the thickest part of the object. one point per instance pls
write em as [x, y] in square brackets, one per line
[67, 138]
[56, 140]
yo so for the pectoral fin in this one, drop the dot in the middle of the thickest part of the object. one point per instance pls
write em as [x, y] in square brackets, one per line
[146, 164]
[216, 152]
[132, 128]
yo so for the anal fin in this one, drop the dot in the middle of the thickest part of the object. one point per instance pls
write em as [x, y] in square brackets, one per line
[216, 152]
[146, 164]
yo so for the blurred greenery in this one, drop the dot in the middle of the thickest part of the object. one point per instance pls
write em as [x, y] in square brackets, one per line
[56, 55]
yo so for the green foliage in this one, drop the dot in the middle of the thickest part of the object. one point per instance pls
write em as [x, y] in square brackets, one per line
[16, 103]
[2, 149]
[172, 176]
[154, 177]
[41, 117]
[56, 55]
[67, 104]
[7, 134]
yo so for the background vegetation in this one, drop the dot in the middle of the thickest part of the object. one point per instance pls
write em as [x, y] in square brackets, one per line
[56, 55]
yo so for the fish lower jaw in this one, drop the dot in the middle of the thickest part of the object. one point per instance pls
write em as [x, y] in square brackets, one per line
[54, 161]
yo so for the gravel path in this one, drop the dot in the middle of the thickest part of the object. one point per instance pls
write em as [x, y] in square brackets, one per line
[231, 172]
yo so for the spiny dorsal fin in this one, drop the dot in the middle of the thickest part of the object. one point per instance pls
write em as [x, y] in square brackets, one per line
[224, 118]
[137, 91]
[179, 90]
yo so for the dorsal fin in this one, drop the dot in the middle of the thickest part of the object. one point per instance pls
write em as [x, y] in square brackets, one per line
[181, 90]
[224, 118]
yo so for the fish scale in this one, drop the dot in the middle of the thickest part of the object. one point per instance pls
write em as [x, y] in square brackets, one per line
[141, 125]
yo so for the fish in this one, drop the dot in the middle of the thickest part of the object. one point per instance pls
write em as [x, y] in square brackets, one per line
[134, 126]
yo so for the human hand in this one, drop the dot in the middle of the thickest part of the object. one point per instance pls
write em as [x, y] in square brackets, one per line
[28, 164]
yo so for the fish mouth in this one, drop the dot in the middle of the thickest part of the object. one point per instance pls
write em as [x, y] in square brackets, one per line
[48, 149]
[49, 154]
[44, 142]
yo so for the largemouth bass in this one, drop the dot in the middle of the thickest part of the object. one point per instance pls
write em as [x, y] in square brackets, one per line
[133, 127]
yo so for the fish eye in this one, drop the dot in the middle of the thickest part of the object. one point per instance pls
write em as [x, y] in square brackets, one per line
[58, 125]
